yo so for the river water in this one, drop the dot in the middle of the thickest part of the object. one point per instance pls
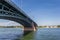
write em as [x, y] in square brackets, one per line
[40, 34]
[10, 33]
[47, 34]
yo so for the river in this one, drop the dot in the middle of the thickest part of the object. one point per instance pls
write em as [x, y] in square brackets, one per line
[45, 34]
[10, 33]
[40, 34]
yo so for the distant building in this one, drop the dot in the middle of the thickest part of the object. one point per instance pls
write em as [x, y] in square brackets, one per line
[52, 26]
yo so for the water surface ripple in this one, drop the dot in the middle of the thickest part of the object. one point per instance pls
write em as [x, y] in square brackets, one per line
[10, 33]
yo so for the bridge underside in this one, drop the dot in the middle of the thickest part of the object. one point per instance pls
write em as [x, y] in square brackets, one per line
[24, 23]
[27, 26]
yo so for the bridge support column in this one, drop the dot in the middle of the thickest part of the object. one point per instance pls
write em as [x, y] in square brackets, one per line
[28, 30]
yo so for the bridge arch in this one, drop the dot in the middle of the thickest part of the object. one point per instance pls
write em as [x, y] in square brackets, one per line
[9, 11]
[6, 14]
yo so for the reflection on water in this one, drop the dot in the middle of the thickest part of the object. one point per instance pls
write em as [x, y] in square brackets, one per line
[29, 36]
[44, 34]
[10, 33]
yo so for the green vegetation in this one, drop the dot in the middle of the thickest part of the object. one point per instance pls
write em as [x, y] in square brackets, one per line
[11, 26]
[58, 26]
[41, 26]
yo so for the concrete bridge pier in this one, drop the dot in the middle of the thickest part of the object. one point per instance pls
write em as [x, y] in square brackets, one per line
[28, 30]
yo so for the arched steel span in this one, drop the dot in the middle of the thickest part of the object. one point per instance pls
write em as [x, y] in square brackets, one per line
[8, 10]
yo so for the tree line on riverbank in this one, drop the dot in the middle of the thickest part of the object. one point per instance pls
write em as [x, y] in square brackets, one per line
[11, 26]
[50, 26]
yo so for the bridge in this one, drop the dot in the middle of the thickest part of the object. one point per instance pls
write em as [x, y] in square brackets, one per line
[9, 11]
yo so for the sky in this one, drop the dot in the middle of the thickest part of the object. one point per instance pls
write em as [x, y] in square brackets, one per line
[43, 12]
[4, 22]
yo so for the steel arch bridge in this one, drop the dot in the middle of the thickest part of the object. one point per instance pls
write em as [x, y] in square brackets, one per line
[8, 10]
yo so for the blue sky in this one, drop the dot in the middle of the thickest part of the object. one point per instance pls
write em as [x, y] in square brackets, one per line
[43, 12]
